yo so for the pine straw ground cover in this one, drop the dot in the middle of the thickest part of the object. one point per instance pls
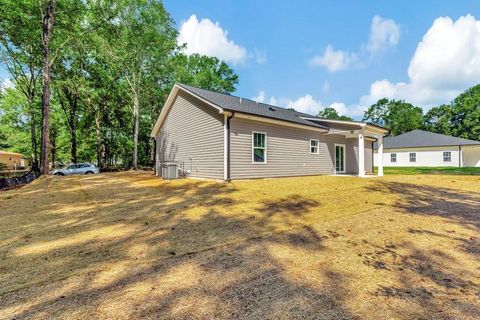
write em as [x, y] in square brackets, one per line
[128, 245]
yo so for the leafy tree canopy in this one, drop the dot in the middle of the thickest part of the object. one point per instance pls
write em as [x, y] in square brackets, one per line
[113, 63]
[331, 113]
[397, 115]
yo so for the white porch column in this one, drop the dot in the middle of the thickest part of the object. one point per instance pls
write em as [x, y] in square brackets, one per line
[380, 155]
[361, 153]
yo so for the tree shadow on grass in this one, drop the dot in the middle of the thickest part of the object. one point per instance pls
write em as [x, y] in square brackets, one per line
[162, 250]
[430, 277]
[460, 206]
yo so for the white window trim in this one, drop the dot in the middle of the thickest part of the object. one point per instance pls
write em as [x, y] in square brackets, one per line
[410, 158]
[318, 146]
[449, 156]
[344, 158]
[393, 155]
[253, 147]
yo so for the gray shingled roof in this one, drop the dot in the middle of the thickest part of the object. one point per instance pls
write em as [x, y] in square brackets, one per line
[233, 103]
[420, 138]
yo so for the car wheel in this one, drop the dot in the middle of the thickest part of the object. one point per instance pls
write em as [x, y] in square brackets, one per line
[89, 172]
[58, 174]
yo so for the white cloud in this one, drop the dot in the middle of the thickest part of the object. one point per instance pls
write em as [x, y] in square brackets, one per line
[305, 104]
[208, 38]
[308, 104]
[384, 33]
[340, 107]
[445, 63]
[334, 60]
[260, 97]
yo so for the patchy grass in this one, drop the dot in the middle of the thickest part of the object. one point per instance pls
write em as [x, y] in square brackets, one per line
[128, 245]
[431, 170]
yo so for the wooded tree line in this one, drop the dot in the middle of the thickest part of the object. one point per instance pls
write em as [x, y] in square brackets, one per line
[460, 118]
[90, 77]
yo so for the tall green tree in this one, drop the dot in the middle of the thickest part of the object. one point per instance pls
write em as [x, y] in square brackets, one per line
[397, 115]
[141, 40]
[205, 72]
[331, 113]
[465, 120]
[438, 119]
[111, 65]
[21, 56]
[197, 70]
[14, 121]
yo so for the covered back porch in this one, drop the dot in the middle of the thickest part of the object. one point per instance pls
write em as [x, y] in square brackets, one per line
[354, 155]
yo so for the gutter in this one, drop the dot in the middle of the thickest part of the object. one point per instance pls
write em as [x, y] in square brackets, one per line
[226, 142]
[460, 156]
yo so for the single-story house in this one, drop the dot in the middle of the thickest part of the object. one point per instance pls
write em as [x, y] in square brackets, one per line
[427, 149]
[13, 160]
[223, 137]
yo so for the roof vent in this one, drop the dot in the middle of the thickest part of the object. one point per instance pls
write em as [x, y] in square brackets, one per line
[272, 109]
[240, 100]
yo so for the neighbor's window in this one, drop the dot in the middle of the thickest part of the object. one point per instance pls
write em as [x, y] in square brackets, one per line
[413, 157]
[393, 157]
[259, 146]
[447, 156]
[313, 146]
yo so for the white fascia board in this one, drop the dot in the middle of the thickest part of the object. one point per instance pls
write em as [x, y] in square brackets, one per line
[370, 127]
[279, 122]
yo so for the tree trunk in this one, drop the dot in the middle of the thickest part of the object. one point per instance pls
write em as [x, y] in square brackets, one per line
[47, 25]
[33, 137]
[73, 128]
[73, 137]
[136, 112]
[99, 142]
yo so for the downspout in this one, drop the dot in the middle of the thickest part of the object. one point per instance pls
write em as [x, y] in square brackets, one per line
[226, 167]
[154, 156]
[228, 158]
[460, 156]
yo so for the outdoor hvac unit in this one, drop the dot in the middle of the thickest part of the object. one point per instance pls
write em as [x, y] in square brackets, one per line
[169, 170]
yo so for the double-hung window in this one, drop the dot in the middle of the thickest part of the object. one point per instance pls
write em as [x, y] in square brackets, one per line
[393, 157]
[259, 147]
[314, 146]
[413, 157]
[447, 156]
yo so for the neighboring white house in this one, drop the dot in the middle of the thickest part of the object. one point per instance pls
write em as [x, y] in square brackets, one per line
[427, 149]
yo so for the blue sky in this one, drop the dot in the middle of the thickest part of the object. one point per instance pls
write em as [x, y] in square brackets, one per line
[347, 54]
[273, 46]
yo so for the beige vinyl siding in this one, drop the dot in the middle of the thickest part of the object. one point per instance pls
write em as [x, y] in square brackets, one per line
[193, 129]
[288, 151]
[352, 156]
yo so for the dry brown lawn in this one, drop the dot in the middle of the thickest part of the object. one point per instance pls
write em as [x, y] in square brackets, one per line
[128, 245]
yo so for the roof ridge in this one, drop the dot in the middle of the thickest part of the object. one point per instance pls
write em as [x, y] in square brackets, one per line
[440, 134]
[235, 103]
[258, 102]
